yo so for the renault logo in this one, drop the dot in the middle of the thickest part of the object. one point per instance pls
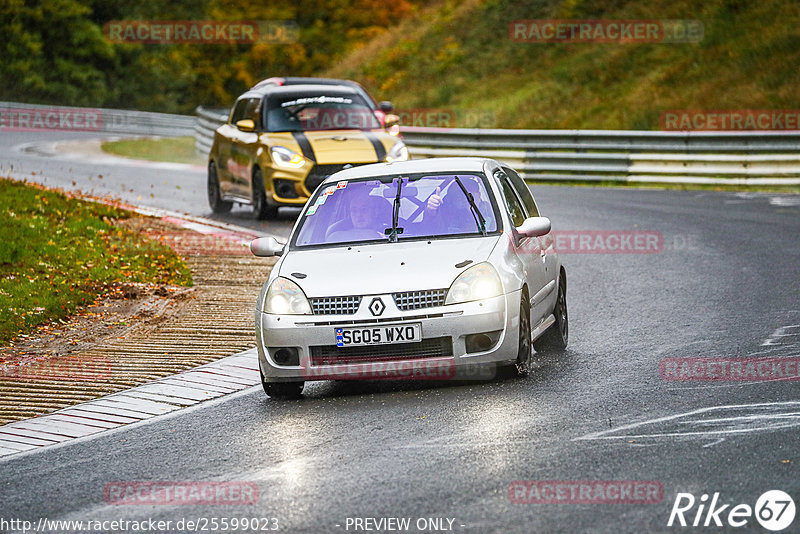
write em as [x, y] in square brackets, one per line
[377, 306]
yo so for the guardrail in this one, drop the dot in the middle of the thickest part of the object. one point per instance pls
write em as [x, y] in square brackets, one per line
[14, 115]
[755, 158]
[208, 120]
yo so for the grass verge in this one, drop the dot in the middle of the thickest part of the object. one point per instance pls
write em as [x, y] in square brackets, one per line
[59, 254]
[169, 149]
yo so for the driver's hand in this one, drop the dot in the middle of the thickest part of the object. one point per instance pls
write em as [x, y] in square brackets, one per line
[435, 200]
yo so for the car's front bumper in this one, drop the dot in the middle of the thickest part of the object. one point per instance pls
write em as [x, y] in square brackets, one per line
[311, 335]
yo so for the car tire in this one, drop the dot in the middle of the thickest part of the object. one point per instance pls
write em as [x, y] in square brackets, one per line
[556, 337]
[524, 351]
[214, 195]
[261, 208]
[283, 390]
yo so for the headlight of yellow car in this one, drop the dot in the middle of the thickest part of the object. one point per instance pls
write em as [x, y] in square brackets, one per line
[476, 283]
[284, 297]
[399, 152]
[283, 157]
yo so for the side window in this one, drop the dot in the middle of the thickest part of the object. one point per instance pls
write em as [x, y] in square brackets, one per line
[237, 113]
[251, 111]
[246, 108]
[523, 191]
[512, 202]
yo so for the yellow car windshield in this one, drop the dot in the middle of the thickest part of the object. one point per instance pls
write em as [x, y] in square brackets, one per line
[294, 113]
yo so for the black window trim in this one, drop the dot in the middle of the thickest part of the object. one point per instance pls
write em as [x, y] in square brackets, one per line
[507, 170]
[499, 175]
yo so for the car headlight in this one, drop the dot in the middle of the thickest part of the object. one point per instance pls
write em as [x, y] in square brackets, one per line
[476, 283]
[284, 297]
[283, 157]
[399, 152]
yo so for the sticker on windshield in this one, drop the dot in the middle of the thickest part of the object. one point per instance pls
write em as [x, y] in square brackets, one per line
[321, 200]
[341, 185]
[312, 210]
[318, 100]
[330, 190]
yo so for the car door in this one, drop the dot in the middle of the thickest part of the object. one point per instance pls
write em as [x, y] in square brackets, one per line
[244, 146]
[529, 250]
[224, 150]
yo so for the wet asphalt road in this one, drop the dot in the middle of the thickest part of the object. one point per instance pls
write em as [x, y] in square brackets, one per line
[725, 283]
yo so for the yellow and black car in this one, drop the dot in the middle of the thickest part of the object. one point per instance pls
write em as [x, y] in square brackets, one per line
[281, 142]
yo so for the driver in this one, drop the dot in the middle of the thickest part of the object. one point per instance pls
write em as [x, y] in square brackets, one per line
[367, 218]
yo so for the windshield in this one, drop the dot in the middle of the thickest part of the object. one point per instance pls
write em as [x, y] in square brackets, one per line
[313, 112]
[361, 211]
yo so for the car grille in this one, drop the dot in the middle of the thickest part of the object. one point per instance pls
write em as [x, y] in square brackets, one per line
[427, 348]
[319, 172]
[335, 305]
[414, 300]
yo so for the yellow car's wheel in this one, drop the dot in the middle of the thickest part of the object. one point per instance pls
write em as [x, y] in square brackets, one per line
[261, 209]
[214, 196]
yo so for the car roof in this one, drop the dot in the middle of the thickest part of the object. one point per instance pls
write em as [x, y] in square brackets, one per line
[297, 80]
[432, 165]
[300, 89]
[300, 80]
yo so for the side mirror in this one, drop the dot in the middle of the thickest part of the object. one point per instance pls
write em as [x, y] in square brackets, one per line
[390, 121]
[246, 125]
[386, 106]
[534, 226]
[266, 247]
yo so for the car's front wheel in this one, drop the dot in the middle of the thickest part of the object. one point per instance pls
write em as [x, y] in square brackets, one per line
[523, 363]
[556, 337]
[261, 209]
[214, 195]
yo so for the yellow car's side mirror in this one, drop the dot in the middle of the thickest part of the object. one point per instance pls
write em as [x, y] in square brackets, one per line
[246, 125]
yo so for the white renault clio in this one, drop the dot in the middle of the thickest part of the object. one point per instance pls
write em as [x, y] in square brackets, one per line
[415, 269]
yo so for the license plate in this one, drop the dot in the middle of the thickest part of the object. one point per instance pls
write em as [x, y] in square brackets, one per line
[378, 335]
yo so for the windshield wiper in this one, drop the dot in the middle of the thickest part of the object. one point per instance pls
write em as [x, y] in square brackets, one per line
[392, 233]
[476, 213]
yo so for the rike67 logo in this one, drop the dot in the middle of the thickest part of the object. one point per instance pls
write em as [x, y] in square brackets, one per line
[774, 510]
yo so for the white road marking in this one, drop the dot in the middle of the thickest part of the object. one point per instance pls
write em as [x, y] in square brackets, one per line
[792, 330]
[753, 418]
[785, 201]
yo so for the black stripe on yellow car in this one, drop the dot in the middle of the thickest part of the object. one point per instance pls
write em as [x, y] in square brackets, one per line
[380, 150]
[305, 146]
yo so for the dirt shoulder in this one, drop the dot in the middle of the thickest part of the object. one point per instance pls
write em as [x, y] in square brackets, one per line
[140, 332]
